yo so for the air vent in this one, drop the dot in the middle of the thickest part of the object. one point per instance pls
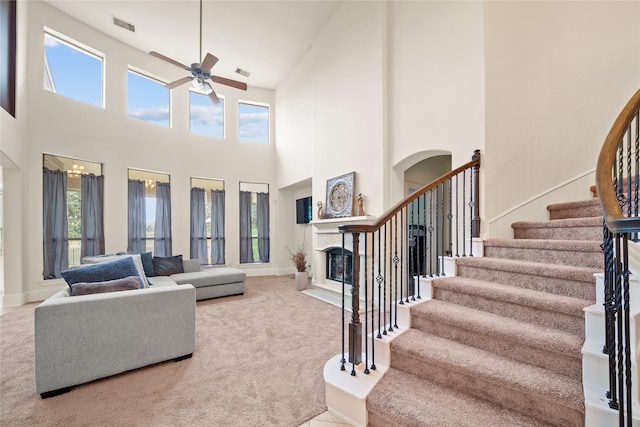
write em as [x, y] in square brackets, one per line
[242, 72]
[124, 24]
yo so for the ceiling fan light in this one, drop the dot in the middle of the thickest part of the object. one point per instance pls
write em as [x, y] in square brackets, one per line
[198, 84]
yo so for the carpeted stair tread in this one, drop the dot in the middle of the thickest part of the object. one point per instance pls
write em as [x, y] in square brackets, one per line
[404, 399]
[520, 333]
[513, 294]
[577, 209]
[566, 272]
[579, 253]
[589, 228]
[486, 369]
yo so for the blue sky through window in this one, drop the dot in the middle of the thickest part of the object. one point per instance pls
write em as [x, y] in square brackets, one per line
[205, 117]
[76, 73]
[148, 99]
[254, 123]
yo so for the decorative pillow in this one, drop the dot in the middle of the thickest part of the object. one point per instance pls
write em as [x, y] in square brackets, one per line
[111, 270]
[137, 260]
[166, 266]
[147, 264]
[128, 283]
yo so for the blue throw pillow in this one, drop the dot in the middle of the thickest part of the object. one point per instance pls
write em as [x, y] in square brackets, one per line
[147, 264]
[111, 270]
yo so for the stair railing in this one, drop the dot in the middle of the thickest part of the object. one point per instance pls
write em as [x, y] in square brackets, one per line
[409, 241]
[617, 184]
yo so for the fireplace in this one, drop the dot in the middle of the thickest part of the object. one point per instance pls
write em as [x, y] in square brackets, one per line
[336, 263]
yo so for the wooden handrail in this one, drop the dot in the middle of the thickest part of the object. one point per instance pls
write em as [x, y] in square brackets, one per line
[614, 219]
[368, 228]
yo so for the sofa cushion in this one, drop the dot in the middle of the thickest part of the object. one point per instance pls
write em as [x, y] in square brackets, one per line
[83, 288]
[166, 266]
[161, 281]
[147, 264]
[137, 260]
[211, 277]
[191, 265]
[110, 270]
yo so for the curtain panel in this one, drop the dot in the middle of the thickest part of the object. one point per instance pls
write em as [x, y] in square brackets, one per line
[217, 226]
[55, 232]
[92, 211]
[198, 225]
[263, 226]
[162, 230]
[137, 216]
[246, 243]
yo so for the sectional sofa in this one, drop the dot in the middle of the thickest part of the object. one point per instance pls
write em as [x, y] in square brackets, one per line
[83, 337]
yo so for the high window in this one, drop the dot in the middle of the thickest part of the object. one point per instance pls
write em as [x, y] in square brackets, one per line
[205, 117]
[207, 220]
[8, 56]
[149, 213]
[73, 212]
[254, 222]
[73, 70]
[253, 122]
[148, 99]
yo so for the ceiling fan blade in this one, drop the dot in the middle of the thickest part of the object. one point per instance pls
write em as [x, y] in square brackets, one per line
[208, 62]
[172, 61]
[229, 82]
[213, 95]
[178, 82]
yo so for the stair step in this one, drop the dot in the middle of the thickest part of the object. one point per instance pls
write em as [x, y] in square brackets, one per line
[403, 399]
[547, 348]
[579, 253]
[548, 396]
[560, 229]
[525, 305]
[578, 209]
[575, 282]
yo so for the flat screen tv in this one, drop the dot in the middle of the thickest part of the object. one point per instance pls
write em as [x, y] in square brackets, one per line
[304, 214]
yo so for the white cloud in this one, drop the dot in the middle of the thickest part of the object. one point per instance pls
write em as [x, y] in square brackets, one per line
[207, 115]
[50, 41]
[154, 114]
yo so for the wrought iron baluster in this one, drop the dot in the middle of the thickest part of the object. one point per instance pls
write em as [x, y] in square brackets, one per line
[390, 276]
[443, 230]
[437, 230]
[342, 360]
[366, 307]
[430, 230]
[457, 205]
[449, 218]
[403, 212]
[396, 260]
[464, 209]
[379, 280]
[373, 292]
[471, 213]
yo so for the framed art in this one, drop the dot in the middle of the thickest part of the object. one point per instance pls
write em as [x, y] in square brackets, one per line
[339, 202]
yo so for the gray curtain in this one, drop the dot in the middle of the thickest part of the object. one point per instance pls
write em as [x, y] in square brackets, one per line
[246, 249]
[162, 231]
[198, 225]
[217, 226]
[137, 213]
[54, 223]
[92, 210]
[263, 226]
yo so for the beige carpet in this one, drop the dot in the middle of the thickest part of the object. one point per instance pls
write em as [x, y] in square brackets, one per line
[258, 362]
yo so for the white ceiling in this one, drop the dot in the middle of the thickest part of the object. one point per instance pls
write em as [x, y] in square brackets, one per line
[263, 37]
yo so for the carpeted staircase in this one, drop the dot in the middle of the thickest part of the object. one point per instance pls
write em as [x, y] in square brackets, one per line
[499, 344]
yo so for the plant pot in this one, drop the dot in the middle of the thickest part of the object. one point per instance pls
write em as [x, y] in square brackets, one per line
[301, 280]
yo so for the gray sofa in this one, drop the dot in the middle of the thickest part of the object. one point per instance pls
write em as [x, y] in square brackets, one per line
[210, 282]
[83, 338]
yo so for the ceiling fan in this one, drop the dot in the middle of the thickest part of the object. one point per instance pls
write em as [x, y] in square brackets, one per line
[201, 77]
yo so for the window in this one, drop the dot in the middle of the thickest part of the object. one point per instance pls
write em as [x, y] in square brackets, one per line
[254, 123]
[148, 99]
[254, 222]
[73, 225]
[149, 211]
[73, 71]
[8, 56]
[207, 220]
[206, 118]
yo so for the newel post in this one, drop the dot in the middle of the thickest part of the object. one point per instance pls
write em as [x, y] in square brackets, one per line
[355, 327]
[475, 221]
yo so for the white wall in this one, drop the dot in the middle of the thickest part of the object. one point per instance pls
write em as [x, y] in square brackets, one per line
[436, 96]
[62, 126]
[557, 75]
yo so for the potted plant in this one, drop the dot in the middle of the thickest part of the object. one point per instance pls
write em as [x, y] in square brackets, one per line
[299, 259]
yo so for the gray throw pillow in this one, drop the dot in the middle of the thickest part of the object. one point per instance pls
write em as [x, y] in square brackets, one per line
[91, 273]
[166, 266]
[125, 284]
